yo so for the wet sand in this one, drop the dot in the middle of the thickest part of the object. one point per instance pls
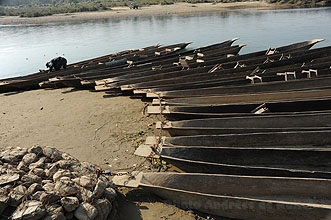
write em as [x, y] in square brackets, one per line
[154, 10]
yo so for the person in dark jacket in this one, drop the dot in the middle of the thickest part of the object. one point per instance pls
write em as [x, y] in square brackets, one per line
[57, 63]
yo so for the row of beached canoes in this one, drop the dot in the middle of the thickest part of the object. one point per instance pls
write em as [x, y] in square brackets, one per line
[251, 139]
[251, 132]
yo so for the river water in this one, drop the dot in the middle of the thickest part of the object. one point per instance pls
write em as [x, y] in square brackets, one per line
[25, 49]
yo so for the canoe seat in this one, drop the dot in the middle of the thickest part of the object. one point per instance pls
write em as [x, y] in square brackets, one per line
[282, 57]
[309, 73]
[184, 63]
[271, 51]
[252, 78]
[216, 67]
[239, 65]
[287, 74]
[260, 109]
[159, 67]
[268, 60]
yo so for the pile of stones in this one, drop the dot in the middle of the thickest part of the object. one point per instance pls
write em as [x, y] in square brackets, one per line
[43, 183]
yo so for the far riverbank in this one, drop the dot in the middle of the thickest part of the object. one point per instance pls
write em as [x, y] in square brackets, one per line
[154, 10]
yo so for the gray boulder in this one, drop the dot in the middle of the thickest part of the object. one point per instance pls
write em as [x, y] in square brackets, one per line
[70, 203]
[86, 211]
[29, 210]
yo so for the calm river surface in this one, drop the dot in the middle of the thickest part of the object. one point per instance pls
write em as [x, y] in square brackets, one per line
[25, 49]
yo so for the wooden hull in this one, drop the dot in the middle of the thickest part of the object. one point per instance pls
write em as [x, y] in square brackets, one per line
[286, 106]
[247, 98]
[303, 163]
[243, 208]
[301, 84]
[264, 140]
[249, 124]
[240, 197]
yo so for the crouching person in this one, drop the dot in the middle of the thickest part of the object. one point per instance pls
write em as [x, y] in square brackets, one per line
[57, 63]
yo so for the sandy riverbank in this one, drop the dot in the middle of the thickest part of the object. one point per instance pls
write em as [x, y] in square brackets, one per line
[154, 10]
[92, 126]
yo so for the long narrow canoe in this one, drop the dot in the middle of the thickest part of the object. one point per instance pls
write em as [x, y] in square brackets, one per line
[245, 125]
[240, 197]
[246, 98]
[263, 121]
[280, 162]
[300, 84]
[294, 139]
[316, 104]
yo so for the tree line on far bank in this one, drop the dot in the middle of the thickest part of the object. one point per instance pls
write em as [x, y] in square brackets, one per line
[37, 8]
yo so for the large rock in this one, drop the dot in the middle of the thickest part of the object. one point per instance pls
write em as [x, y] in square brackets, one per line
[22, 166]
[54, 212]
[66, 187]
[51, 170]
[12, 154]
[52, 153]
[61, 173]
[34, 188]
[29, 179]
[8, 178]
[16, 195]
[49, 198]
[49, 187]
[29, 210]
[36, 195]
[64, 164]
[39, 164]
[29, 158]
[104, 207]
[85, 195]
[38, 171]
[110, 194]
[36, 150]
[70, 203]
[86, 211]
[86, 182]
[99, 189]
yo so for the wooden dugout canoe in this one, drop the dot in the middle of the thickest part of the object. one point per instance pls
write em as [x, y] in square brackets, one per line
[219, 131]
[294, 139]
[246, 98]
[245, 125]
[287, 106]
[280, 162]
[290, 85]
[223, 196]
[263, 121]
